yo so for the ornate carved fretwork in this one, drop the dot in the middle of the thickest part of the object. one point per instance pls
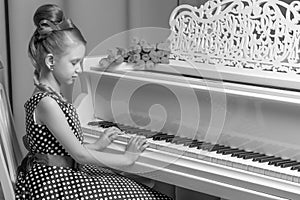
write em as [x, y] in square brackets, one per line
[249, 34]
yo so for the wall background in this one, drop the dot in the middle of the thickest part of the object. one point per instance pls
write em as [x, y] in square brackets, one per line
[3, 46]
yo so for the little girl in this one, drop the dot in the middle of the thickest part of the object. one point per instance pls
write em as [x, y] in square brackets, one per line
[59, 165]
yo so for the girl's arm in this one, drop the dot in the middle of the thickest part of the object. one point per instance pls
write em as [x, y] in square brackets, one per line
[50, 114]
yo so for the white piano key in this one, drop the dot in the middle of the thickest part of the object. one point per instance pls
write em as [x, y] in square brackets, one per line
[192, 152]
[204, 155]
[176, 149]
[288, 174]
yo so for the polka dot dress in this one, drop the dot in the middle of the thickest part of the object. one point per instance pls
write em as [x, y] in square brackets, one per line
[54, 182]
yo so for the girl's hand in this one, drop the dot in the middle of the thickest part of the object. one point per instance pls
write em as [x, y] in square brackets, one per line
[106, 138]
[136, 145]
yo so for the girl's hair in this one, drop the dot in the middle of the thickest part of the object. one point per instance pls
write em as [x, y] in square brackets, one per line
[54, 34]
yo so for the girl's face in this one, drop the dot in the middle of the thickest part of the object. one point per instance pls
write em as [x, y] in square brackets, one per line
[68, 65]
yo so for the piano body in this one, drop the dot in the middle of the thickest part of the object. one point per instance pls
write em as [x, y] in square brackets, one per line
[223, 116]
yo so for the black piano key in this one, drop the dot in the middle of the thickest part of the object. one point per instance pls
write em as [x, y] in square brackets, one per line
[295, 167]
[187, 143]
[150, 135]
[233, 151]
[161, 136]
[183, 141]
[159, 133]
[195, 144]
[179, 140]
[105, 124]
[276, 162]
[203, 145]
[226, 149]
[291, 164]
[168, 138]
[218, 147]
[158, 136]
[286, 161]
[262, 157]
[96, 123]
[123, 127]
[256, 156]
[269, 159]
[222, 150]
[252, 155]
[230, 151]
[240, 153]
[207, 146]
[279, 162]
[210, 147]
[173, 139]
[93, 123]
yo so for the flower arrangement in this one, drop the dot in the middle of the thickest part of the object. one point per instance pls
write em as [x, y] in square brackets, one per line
[141, 53]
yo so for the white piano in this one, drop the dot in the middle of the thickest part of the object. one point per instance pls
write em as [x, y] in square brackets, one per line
[223, 118]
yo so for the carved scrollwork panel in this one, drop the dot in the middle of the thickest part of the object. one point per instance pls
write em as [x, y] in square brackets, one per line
[248, 34]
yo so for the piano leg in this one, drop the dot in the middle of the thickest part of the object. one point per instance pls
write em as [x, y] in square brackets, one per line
[165, 188]
[183, 194]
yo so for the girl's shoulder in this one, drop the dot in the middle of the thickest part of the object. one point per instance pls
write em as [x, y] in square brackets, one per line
[37, 96]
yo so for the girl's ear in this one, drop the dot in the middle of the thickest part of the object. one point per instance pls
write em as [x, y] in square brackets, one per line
[49, 61]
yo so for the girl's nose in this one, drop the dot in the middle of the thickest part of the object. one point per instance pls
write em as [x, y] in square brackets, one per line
[78, 68]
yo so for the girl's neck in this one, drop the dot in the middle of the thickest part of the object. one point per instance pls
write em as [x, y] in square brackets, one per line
[51, 82]
[46, 86]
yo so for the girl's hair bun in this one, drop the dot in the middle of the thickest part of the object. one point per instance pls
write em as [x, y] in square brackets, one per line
[46, 27]
[50, 12]
[49, 18]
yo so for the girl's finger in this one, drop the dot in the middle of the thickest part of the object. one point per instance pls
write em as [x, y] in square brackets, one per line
[140, 143]
[144, 146]
[142, 140]
[116, 129]
[130, 140]
[110, 134]
[139, 140]
[114, 136]
[113, 128]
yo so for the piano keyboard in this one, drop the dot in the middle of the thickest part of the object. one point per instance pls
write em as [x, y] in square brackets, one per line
[269, 165]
